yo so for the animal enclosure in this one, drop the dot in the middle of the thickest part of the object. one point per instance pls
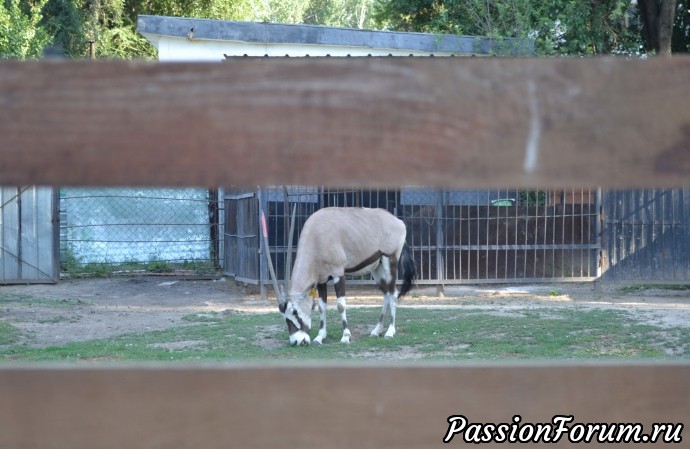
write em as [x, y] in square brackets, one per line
[473, 236]
[455, 236]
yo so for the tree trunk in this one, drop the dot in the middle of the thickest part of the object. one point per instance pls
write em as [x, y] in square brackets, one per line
[667, 15]
[657, 24]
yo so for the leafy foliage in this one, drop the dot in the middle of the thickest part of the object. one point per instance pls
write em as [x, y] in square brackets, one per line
[559, 27]
[533, 198]
[344, 13]
[104, 27]
[21, 35]
[599, 27]
[681, 29]
[107, 28]
[574, 27]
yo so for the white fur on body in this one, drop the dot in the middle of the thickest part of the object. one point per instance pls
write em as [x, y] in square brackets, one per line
[335, 241]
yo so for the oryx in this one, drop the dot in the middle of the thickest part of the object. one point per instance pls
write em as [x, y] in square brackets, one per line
[339, 241]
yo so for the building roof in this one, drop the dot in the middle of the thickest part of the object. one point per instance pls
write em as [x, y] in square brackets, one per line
[281, 36]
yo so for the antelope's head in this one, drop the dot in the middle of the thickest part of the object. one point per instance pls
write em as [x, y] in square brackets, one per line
[297, 313]
[296, 309]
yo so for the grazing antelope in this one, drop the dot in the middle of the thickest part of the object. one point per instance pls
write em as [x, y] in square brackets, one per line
[343, 241]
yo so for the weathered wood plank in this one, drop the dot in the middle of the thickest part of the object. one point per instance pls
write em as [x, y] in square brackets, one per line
[321, 406]
[462, 122]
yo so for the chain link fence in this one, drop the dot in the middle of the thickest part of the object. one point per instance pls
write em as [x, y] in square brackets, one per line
[157, 229]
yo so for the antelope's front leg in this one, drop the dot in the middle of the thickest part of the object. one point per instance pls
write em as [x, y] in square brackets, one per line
[321, 289]
[342, 307]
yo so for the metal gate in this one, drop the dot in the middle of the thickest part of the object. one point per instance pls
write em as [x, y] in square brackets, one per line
[646, 235]
[456, 236]
[241, 258]
[29, 235]
[495, 236]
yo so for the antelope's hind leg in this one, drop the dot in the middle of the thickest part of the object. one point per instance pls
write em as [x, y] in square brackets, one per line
[385, 276]
[321, 290]
[376, 332]
[393, 304]
[339, 284]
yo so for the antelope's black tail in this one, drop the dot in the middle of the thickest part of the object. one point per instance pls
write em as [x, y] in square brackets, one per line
[407, 269]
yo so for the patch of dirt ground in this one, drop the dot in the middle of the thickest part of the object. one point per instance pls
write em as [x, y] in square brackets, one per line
[85, 309]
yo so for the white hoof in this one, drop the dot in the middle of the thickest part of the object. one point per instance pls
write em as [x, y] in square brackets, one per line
[376, 332]
[390, 333]
[300, 338]
[346, 336]
[319, 338]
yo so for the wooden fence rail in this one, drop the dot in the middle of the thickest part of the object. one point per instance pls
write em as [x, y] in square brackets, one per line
[356, 122]
[333, 406]
[457, 122]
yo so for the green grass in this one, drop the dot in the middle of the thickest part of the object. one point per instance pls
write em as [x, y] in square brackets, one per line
[421, 334]
[16, 300]
[8, 333]
[73, 267]
[642, 287]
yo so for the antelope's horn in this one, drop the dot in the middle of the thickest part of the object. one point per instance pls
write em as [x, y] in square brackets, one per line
[279, 294]
[288, 263]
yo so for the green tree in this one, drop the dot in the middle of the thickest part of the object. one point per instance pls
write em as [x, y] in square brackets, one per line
[680, 42]
[103, 27]
[108, 27]
[21, 35]
[112, 32]
[573, 27]
[340, 13]
[594, 27]
[64, 20]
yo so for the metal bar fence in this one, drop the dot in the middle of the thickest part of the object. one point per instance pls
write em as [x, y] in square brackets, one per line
[456, 237]
[645, 235]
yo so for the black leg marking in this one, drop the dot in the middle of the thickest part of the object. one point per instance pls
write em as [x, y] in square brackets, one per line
[340, 288]
[394, 275]
[322, 291]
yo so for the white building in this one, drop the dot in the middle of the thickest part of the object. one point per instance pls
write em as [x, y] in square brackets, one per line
[185, 39]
